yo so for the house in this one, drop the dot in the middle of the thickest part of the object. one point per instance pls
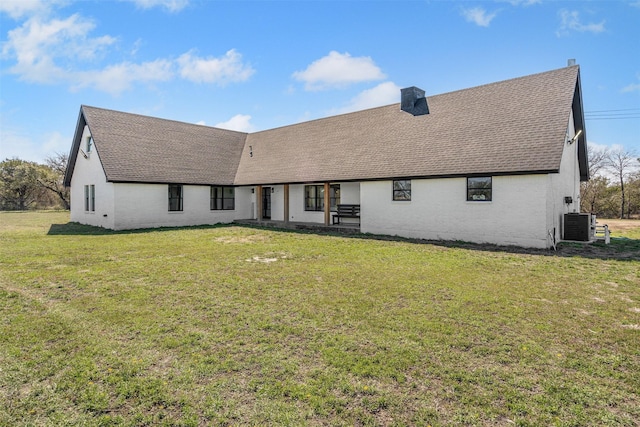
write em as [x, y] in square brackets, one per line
[499, 163]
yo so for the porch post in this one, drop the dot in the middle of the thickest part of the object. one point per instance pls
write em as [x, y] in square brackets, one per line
[286, 203]
[327, 204]
[259, 202]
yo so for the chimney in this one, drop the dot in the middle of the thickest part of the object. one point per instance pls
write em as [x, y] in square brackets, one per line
[413, 101]
[571, 62]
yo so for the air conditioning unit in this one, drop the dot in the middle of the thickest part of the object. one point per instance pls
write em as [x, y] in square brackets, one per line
[577, 227]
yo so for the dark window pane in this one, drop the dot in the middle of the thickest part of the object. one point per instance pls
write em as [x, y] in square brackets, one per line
[314, 197]
[310, 198]
[402, 190]
[214, 198]
[479, 189]
[483, 182]
[175, 197]
[222, 198]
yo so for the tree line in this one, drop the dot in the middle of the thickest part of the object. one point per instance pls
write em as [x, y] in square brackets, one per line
[29, 185]
[614, 188]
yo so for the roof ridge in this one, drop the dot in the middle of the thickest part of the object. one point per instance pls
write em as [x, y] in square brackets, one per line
[82, 106]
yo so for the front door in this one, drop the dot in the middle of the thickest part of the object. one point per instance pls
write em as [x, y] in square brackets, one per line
[266, 202]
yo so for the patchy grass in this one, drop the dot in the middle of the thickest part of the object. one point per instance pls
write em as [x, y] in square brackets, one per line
[242, 326]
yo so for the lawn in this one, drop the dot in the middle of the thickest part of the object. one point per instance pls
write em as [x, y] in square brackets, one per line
[232, 325]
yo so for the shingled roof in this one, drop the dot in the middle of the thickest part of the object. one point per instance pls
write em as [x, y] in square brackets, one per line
[136, 148]
[516, 126]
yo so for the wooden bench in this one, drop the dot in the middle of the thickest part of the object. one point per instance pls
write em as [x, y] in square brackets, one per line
[346, 211]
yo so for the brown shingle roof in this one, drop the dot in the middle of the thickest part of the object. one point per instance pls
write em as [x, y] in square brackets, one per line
[510, 127]
[135, 148]
[514, 126]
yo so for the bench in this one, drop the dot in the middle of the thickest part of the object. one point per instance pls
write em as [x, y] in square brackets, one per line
[346, 211]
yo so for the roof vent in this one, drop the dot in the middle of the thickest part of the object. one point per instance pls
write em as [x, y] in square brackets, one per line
[571, 62]
[412, 100]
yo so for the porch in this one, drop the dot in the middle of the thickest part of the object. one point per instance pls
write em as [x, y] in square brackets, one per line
[330, 207]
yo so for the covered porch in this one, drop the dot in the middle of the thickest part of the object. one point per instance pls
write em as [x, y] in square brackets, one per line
[328, 205]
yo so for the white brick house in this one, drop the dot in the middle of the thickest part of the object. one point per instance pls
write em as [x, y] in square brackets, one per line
[499, 163]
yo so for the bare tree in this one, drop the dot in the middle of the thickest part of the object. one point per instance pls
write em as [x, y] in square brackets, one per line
[51, 177]
[593, 194]
[597, 159]
[621, 163]
[591, 190]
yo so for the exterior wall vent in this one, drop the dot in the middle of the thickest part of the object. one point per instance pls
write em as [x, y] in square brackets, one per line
[413, 101]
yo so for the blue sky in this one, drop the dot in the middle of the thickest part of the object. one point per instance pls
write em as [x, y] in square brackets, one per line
[253, 65]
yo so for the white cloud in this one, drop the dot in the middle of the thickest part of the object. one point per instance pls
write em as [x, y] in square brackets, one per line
[633, 87]
[570, 21]
[15, 143]
[37, 44]
[55, 142]
[478, 16]
[338, 70]
[384, 94]
[117, 78]
[136, 47]
[62, 51]
[239, 122]
[169, 5]
[594, 146]
[228, 68]
[16, 9]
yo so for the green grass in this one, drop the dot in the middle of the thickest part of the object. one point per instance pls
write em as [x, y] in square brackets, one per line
[243, 326]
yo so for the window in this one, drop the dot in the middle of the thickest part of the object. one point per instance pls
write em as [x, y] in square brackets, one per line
[175, 197]
[89, 144]
[402, 189]
[479, 189]
[222, 198]
[90, 198]
[314, 197]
